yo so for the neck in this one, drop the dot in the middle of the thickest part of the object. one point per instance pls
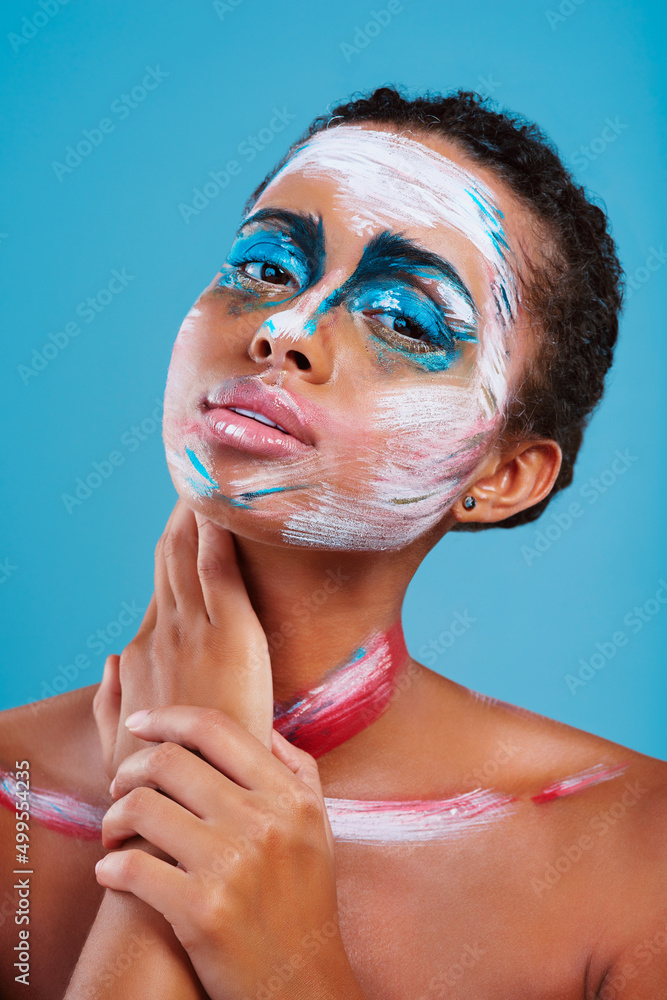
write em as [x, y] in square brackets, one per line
[319, 608]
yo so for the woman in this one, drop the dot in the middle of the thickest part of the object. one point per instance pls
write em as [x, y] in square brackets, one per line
[407, 337]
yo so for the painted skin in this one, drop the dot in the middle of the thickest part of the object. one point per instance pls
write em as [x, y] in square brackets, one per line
[383, 468]
[461, 918]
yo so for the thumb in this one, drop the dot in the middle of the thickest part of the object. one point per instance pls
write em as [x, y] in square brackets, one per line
[106, 709]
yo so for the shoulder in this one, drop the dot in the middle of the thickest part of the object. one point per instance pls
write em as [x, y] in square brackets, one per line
[525, 753]
[595, 816]
[58, 737]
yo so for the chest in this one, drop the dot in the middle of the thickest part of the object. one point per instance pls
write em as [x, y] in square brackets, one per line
[457, 920]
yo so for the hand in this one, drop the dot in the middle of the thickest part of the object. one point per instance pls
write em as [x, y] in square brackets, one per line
[200, 642]
[253, 897]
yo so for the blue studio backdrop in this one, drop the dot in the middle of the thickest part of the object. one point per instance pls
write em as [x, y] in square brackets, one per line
[132, 134]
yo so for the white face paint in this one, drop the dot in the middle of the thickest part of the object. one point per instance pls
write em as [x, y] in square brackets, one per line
[415, 441]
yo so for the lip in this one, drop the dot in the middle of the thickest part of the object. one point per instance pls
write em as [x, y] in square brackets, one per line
[247, 434]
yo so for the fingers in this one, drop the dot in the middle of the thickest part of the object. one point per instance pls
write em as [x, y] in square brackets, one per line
[305, 768]
[225, 744]
[146, 813]
[299, 762]
[155, 881]
[186, 778]
[163, 592]
[219, 575]
[149, 620]
[179, 552]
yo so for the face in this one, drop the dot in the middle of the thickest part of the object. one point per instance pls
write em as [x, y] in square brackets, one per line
[345, 374]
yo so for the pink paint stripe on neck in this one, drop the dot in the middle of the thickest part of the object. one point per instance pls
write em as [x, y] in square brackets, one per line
[348, 698]
[54, 810]
[577, 782]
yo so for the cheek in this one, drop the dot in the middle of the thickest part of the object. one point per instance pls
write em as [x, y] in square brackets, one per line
[398, 473]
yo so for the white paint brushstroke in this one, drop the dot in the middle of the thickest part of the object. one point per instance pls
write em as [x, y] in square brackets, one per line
[373, 822]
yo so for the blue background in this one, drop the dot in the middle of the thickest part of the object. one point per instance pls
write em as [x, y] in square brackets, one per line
[66, 575]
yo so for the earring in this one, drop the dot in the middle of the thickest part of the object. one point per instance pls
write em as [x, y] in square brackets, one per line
[469, 503]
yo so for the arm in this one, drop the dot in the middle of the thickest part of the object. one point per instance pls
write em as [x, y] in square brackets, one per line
[190, 558]
[132, 954]
[253, 898]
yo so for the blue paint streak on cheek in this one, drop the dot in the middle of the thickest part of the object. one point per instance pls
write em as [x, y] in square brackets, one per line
[199, 466]
[276, 489]
[210, 488]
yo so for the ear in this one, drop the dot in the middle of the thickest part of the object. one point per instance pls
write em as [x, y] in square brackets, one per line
[511, 481]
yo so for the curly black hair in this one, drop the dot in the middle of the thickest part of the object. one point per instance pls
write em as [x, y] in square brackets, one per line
[574, 292]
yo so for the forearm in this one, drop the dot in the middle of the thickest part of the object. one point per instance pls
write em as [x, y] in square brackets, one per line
[132, 953]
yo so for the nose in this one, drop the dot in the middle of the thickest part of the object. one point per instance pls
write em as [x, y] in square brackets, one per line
[291, 341]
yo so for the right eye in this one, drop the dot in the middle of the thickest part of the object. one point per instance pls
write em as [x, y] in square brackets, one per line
[264, 270]
[270, 259]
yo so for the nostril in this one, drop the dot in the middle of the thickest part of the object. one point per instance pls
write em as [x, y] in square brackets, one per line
[299, 359]
[264, 348]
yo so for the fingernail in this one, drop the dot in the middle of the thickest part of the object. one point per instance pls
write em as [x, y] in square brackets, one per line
[112, 786]
[98, 864]
[135, 720]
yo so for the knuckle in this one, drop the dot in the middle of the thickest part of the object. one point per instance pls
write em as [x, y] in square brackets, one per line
[174, 632]
[212, 909]
[128, 864]
[211, 722]
[266, 829]
[137, 801]
[209, 567]
[161, 758]
[306, 804]
[170, 546]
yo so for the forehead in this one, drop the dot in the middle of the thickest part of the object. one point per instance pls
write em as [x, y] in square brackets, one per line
[380, 179]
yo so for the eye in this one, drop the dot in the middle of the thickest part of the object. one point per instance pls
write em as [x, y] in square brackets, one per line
[403, 325]
[266, 271]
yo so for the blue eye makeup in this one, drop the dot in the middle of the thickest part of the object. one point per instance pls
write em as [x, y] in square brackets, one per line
[407, 320]
[414, 301]
[275, 258]
[275, 248]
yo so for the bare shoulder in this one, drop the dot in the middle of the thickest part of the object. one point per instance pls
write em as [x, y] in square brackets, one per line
[523, 752]
[53, 901]
[59, 738]
[588, 799]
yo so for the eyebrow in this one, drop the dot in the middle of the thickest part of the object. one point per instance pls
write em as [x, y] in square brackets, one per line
[392, 253]
[387, 253]
[306, 231]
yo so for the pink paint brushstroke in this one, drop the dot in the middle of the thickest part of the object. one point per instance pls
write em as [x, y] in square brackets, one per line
[370, 821]
[347, 699]
[55, 810]
[359, 821]
[576, 782]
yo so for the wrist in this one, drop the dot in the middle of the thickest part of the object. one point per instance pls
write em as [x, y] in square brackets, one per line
[309, 975]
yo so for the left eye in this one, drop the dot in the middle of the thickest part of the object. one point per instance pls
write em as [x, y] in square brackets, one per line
[402, 324]
[272, 274]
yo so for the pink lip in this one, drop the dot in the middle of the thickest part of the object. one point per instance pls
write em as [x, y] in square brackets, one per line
[246, 433]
